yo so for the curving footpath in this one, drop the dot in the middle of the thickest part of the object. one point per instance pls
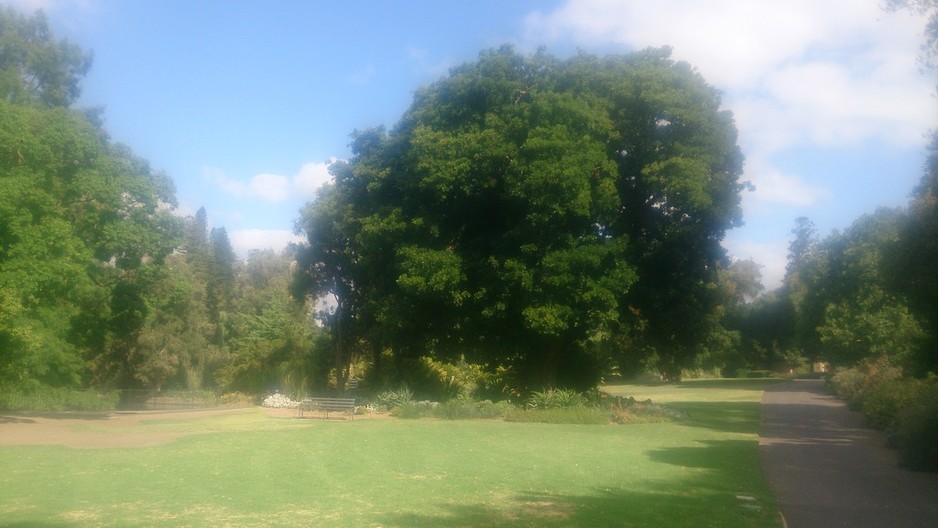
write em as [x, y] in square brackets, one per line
[827, 469]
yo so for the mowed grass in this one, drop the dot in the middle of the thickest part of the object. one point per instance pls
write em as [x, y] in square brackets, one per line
[249, 469]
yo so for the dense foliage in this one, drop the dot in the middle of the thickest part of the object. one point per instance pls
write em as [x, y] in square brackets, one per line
[550, 217]
[101, 282]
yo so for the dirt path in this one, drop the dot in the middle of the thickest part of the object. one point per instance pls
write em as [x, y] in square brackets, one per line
[827, 469]
[67, 428]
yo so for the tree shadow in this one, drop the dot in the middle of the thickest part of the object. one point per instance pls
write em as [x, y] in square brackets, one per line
[729, 417]
[654, 506]
[702, 500]
[756, 384]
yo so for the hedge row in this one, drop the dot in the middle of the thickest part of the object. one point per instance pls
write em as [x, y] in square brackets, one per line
[906, 409]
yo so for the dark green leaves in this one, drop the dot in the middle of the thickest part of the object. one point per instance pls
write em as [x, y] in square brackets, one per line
[519, 203]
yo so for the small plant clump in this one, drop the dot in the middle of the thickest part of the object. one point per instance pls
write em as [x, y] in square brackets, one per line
[631, 411]
[394, 398]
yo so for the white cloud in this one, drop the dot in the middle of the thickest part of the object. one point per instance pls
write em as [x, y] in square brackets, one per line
[795, 73]
[274, 187]
[244, 240]
[773, 186]
[311, 177]
[773, 257]
[270, 187]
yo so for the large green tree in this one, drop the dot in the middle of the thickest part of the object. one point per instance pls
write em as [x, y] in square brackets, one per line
[525, 209]
[84, 223]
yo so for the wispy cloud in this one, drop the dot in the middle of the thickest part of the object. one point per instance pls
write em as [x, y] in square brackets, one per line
[30, 6]
[273, 187]
[362, 76]
[244, 240]
[774, 186]
[422, 62]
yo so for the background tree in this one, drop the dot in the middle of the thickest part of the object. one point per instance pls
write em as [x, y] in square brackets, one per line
[35, 68]
[85, 224]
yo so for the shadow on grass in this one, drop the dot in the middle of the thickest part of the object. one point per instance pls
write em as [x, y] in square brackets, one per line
[714, 499]
[714, 454]
[719, 383]
[731, 383]
[604, 507]
[729, 417]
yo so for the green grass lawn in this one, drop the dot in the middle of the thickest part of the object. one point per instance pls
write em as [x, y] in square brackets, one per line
[248, 469]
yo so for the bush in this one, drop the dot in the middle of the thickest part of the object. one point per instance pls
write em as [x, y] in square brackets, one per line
[916, 430]
[412, 409]
[53, 399]
[464, 409]
[882, 400]
[852, 384]
[237, 397]
[392, 398]
[556, 399]
[631, 411]
[558, 415]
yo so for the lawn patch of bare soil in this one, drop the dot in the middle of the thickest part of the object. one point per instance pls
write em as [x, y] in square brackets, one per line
[70, 429]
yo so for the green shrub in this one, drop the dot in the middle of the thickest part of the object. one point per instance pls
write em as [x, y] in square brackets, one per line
[556, 399]
[237, 397]
[882, 400]
[916, 430]
[461, 379]
[852, 384]
[558, 415]
[414, 409]
[53, 399]
[392, 398]
[464, 409]
[631, 411]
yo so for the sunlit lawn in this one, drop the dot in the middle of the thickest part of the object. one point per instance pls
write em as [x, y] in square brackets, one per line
[249, 469]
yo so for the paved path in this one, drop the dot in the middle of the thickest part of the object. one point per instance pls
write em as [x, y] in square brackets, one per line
[827, 469]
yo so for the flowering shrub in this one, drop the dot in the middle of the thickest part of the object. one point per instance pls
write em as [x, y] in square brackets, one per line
[279, 401]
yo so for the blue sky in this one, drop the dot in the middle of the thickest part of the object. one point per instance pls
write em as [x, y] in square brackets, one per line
[244, 102]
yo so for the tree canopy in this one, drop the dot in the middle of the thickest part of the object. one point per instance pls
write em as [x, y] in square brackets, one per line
[36, 68]
[526, 209]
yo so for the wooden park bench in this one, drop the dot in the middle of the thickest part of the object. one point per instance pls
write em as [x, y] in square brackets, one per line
[327, 405]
